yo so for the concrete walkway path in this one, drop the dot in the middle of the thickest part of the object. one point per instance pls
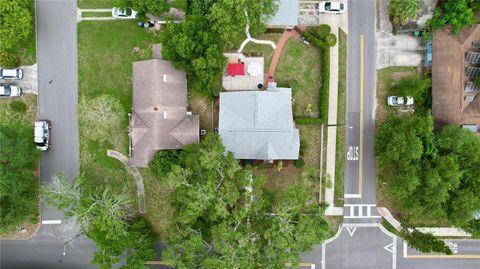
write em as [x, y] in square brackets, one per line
[442, 231]
[278, 51]
[251, 39]
[136, 175]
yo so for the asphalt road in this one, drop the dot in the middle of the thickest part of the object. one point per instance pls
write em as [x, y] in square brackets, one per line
[360, 107]
[56, 30]
[58, 89]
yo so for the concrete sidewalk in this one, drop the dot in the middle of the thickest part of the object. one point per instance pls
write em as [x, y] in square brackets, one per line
[335, 23]
[444, 231]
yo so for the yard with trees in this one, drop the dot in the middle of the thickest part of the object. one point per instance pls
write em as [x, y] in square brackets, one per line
[17, 42]
[19, 167]
[455, 14]
[106, 215]
[225, 217]
[197, 44]
[430, 174]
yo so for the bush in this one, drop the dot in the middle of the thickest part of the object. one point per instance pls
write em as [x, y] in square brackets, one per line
[8, 59]
[299, 163]
[162, 163]
[18, 106]
[308, 121]
[325, 77]
[303, 148]
[320, 31]
[331, 40]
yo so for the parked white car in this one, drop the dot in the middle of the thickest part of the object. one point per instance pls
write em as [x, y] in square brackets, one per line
[10, 91]
[331, 7]
[42, 134]
[123, 13]
[399, 101]
[15, 73]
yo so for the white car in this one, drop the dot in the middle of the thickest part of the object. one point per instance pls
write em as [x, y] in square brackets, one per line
[331, 7]
[123, 13]
[42, 134]
[399, 101]
[15, 73]
[10, 91]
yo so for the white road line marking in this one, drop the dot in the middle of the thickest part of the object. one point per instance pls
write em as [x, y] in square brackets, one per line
[52, 221]
[323, 256]
[361, 217]
[351, 230]
[353, 195]
[404, 249]
[352, 211]
[389, 248]
[369, 211]
[360, 211]
[394, 260]
[360, 205]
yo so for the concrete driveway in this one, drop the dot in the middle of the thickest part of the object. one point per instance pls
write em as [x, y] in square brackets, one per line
[29, 82]
[399, 50]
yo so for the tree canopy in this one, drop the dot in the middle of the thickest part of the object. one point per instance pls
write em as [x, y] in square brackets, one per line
[106, 216]
[401, 11]
[15, 23]
[457, 14]
[225, 218]
[418, 88]
[435, 174]
[18, 184]
[197, 44]
[156, 7]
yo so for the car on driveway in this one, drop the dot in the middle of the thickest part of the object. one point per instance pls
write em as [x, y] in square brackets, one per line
[42, 134]
[15, 73]
[399, 101]
[123, 13]
[10, 91]
[331, 7]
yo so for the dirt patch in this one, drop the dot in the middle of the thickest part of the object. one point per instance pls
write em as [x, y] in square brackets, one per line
[396, 76]
[208, 111]
[25, 231]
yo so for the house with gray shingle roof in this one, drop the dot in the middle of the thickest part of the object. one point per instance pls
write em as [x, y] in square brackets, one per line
[258, 125]
[159, 119]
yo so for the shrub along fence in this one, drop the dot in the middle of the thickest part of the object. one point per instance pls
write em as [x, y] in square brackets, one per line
[322, 38]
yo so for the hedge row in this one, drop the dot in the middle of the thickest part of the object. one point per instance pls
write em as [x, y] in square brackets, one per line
[319, 38]
[308, 121]
[325, 77]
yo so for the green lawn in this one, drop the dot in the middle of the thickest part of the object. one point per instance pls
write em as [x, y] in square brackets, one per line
[385, 78]
[102, 3]
[106, 50]
[96, 14]
[299, 68]
[261, 49]
[341, 110]
[179, 4]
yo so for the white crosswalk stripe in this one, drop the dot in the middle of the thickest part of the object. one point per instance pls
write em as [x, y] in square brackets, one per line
[360, 211]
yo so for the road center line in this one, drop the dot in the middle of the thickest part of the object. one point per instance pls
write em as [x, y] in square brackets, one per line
[360, 157]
